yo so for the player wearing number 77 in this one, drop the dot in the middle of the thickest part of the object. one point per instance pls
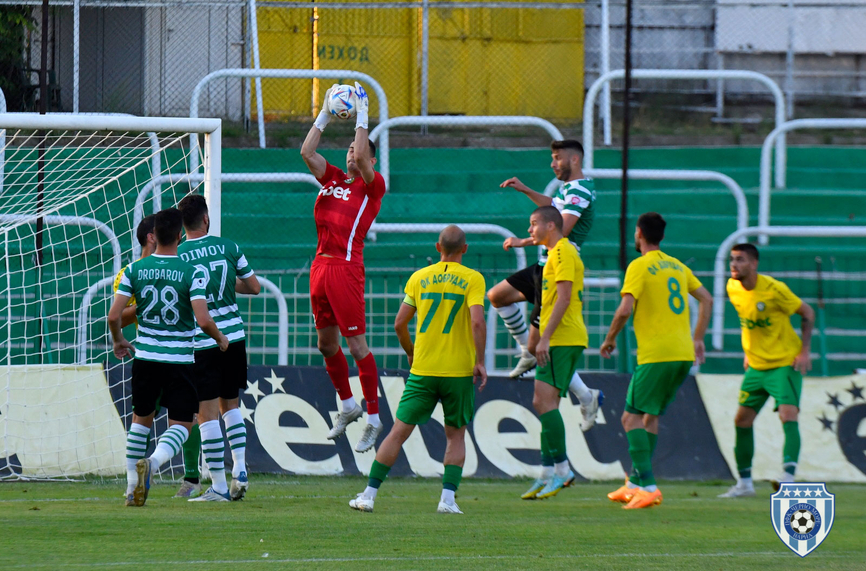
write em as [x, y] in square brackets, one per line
[446, 358]
[654, 289]
[171, 299]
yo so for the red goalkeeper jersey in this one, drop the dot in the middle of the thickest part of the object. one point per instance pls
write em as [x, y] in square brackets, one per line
[344, 211]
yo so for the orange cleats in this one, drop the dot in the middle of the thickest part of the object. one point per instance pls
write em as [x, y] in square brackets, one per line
[622, 495]
[644, 499]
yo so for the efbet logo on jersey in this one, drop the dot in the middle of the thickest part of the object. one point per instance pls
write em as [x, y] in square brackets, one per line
[802, 515]
[336, 192]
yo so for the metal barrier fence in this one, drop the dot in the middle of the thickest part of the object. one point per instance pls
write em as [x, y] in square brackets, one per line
[432, 57]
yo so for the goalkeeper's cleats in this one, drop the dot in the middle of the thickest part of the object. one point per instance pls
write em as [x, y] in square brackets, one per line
[555, 485]
[189, 490]
[362, 503]
[644, 499]
[739, 490]
[144, 469]
[526, 363]
[533, 490]
[212, 495]
[368, 439]
[446, 508]
[239, 487]
[342, 420]
[623, 494]
[590, 412]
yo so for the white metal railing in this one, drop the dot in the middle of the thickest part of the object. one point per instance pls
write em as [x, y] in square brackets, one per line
[766, 159]
[81, 329]
[292, 74]
[592, 93]
[383, 128]
[661, 174]
[2, 141]
[154, 186]
[790, 231]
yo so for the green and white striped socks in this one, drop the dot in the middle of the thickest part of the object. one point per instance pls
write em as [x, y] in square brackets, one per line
[512, 317]
[213, 448]
[169, 445]
[136, 449]
[236, 432]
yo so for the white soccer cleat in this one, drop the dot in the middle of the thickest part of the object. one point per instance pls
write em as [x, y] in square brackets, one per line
[368, 439]
[590, 413]
[189, 490]
[526, 363]
[445, 508]
[739, 490]
[783, 479]
[212, 495]
[362, 503]
[342, 420]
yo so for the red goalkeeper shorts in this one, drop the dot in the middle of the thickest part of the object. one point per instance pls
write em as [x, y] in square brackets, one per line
[337, 295]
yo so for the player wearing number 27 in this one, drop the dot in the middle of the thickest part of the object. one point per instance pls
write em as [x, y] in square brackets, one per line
[346, 207]
[447, 356]
[655, 289]
[171, 300]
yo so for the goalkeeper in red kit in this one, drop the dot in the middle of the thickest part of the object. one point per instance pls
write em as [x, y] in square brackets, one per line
[345, 208]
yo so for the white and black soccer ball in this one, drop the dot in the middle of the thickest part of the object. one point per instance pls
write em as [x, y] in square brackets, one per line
[802, 521]
[341, 101]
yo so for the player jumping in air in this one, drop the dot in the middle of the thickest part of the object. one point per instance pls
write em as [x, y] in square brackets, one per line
[171, 296]
[575, 200]
[345, 208]
[446, 358]
[219, 375]
[775, 362]
[655, 288]
[563, 339]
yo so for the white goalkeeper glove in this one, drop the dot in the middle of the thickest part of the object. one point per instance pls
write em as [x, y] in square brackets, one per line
[325, 114]
[362, 107]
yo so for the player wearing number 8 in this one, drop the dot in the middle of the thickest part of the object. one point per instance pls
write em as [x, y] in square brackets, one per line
[654, 289]
[447, 356]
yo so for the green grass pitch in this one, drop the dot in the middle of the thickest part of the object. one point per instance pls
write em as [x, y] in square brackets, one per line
[302, 523]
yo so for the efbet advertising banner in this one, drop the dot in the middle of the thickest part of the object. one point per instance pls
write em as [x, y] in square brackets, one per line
[832, 423]
[289, 411]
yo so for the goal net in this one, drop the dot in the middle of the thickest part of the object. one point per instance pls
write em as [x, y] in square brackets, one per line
[72, 191]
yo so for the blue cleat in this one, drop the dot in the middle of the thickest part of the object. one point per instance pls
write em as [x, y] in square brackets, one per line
[556, 484]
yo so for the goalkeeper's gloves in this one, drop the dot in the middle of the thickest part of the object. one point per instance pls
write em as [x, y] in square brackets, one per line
[325, 114]
[362, 107]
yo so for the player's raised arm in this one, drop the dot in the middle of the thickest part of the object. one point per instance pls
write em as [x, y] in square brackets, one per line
[316, 162]
[536, 197]
[363, 157]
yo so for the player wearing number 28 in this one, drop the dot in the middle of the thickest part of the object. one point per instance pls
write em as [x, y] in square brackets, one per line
[171, 300]
[655, 290]
[446, 358]
[346, 207]
[219, 376]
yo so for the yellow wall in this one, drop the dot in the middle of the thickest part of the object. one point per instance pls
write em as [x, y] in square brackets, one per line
[482, 61]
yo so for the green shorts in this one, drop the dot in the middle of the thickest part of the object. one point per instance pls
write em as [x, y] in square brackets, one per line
[422, 393]
[564, 360]
[654, 386]
[784, 384]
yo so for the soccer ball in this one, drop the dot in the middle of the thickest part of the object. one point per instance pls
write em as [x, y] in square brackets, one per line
[341, 101]
[802, 521]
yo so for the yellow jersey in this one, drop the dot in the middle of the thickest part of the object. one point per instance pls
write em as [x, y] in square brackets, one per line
[564, 265]
[660, 285]
[117, 279]
[769, 339]
[442, 294]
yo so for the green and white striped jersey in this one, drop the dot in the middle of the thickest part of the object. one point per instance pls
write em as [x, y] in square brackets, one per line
[222, 261]
[164, 287]
[574, 198]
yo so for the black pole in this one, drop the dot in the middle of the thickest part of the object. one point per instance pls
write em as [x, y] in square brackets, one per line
[40, 172]
[626, 123]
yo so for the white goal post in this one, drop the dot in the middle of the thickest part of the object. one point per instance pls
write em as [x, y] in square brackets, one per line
[70, 185]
